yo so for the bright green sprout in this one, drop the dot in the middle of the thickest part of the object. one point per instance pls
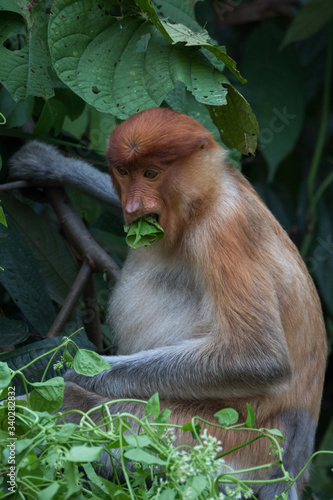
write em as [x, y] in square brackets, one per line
[143, 232]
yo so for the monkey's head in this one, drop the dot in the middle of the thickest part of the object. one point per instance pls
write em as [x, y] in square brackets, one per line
[159, 164]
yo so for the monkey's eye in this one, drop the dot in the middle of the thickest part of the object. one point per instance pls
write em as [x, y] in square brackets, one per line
[150, 174]
[121, 171]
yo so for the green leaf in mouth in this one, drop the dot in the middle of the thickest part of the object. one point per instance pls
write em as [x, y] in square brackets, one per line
[143, 232]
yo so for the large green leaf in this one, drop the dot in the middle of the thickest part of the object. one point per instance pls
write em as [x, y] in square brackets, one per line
[22, 280]
[16, 113]
[310, 19]
[276, 91]
[183, 101]
[49, 248]
[25, 72]
[12, 331]
[51, 117]
[237, 124]
[101, 126]
[124, 66]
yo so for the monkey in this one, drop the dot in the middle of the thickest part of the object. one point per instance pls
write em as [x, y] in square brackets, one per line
[220, 312]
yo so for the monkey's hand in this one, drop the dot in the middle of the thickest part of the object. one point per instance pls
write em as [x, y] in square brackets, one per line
[42, 165]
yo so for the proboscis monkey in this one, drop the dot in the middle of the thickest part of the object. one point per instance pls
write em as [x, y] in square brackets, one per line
[218, 313]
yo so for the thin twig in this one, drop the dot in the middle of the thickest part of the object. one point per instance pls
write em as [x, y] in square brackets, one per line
[71, 299]
[9, 186]
[92, 323]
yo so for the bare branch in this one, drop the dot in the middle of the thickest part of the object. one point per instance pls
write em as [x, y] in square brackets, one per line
[92, 323]
[79, 284]
[232, 12]
[9, 186]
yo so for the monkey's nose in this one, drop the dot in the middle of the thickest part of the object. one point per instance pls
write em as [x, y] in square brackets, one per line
[133, 205]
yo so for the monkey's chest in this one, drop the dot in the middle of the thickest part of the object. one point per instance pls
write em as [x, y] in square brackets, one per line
[154, 311]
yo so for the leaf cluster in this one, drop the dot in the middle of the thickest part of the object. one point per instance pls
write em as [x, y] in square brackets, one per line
[120, 58]
[58, 460]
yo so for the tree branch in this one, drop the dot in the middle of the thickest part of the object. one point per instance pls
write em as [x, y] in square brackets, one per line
[92, 324]
[232, 12]
[78, 235]
[79, 284]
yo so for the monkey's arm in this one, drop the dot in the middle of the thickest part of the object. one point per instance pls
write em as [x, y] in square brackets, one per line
[194, 369]
[43, 165]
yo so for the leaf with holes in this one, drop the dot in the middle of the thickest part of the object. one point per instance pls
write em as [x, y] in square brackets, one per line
[236, 122]
[124, 66]
[25, 72]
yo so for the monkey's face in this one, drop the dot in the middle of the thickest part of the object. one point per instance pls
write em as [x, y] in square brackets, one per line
[157, 162]
[148, 190]
[139, 191]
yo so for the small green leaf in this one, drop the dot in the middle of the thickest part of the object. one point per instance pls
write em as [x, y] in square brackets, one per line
[66, 431]
[153, 406]
[168, 494]
[89, 363]
[198, 483]
[67, 356]
[5, 375]
[47, 396]
[51, 388]
[139, 455]
[195, 429]
[137, 440]
[143, 232]
[227, 416]
[83, 453]
[250, 419]
[163, 418]
[48, 493]
[276, 433]
[2, 217]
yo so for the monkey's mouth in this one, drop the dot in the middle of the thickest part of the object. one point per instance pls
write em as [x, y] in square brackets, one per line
[152, 215]
[144, 231]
